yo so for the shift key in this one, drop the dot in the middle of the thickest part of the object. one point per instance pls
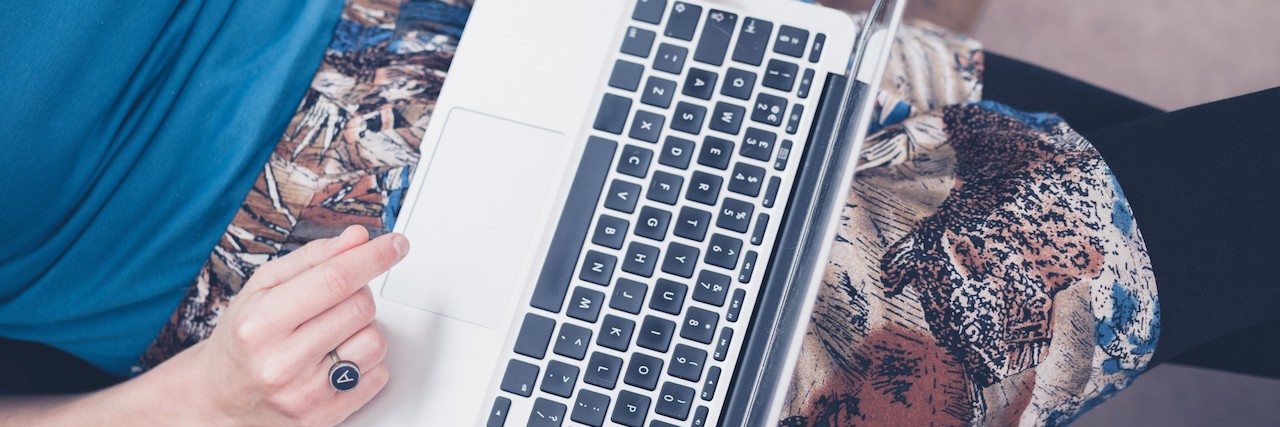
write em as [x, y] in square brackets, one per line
[752, 41]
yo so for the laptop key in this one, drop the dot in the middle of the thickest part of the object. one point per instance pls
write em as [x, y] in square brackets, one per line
[646, 126]
[640, 259]
[546, 413]
[700, 83]
[699, 417]
[631, 409]
[602, 370]
[613, 113]
[597, 268]
[757, 234]
[626, 75]
[658, 92]
[643, 371]
[535, 335]
[722, 346]
[692, 223]
[769, 109]
[668, 296]
[806, 82]
[752, 40]
[735, 304]
[655, 334]
[715, 152]
[635, 161]
[724, 251]
[571, 230]
[650, 11]
[699, 325]
[519, 378]
[560, 378]
[680, 260]
[573, 341]
[589, 408]
[638, 42]
[676, 152]
[784, 153]
[738, 84]
[710, 384]
[665, 187]
[660, 423]
[704, 188]
[585, 304]
[714, 41]
[771, 192]
[622, 196]
[653, 223]
[746, 179]
[670, 58]
[687, 362]
[791, 41]
[727, 118]
[815, 51]
[780, 75]
[674, 401]
[610, 231]
[498, 415]
[711, 288]
[734, 215]
[688, 118]
[748, 267]
[628, 295]
[683, 21]
[615, 333]
[758, 144]
[793, 119]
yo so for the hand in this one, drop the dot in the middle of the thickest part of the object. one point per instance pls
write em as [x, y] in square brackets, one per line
[267, 361]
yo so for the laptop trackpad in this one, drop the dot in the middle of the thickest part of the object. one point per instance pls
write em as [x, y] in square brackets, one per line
[484, 195]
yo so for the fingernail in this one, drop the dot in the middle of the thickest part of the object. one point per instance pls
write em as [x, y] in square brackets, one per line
[401, 244]
[340, 237]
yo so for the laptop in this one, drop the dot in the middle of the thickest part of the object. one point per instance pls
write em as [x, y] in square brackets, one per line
[622, 211]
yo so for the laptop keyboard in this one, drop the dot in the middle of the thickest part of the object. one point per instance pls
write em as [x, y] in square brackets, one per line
[639, 310]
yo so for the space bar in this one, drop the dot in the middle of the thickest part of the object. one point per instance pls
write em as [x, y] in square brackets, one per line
[562, 257]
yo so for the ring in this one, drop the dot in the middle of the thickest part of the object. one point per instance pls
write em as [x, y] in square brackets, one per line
[343, 375]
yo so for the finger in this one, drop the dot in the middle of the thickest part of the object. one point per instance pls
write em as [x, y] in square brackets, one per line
[366, 348]
[339, 323]
[314, 291]
[309, 255]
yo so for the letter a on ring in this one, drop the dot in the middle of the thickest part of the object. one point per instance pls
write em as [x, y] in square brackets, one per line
[343, 375]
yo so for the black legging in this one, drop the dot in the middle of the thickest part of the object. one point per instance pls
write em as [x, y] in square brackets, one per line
[1204, 185]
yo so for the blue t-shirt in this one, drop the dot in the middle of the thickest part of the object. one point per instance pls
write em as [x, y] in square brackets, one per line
[131, 132]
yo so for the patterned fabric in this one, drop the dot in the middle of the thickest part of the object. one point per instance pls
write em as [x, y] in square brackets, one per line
[345, 158]
[988, 270]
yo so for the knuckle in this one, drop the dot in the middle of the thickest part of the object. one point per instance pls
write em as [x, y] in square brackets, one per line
[363, 307]
[247, 333]
[379, 344]
[272, 376]
[334, 280]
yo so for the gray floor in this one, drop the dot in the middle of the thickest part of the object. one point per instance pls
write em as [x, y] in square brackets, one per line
[1171, 54]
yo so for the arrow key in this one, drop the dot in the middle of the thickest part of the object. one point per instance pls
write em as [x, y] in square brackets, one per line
[700, 83]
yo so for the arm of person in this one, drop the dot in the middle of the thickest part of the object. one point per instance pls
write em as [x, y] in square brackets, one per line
[266, 362]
